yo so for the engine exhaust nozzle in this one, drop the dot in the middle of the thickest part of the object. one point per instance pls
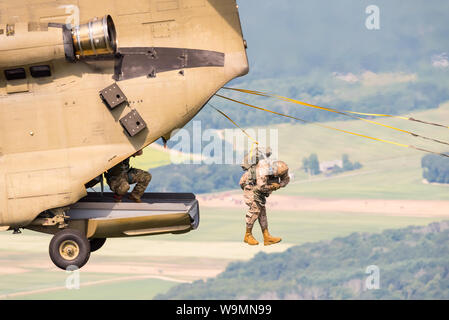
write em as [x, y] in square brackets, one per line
[97, 37]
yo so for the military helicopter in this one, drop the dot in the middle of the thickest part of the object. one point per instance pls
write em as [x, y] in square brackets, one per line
[86, 84]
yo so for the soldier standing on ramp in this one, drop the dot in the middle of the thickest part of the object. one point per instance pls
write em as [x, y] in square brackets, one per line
[120, 177]
[258, 182]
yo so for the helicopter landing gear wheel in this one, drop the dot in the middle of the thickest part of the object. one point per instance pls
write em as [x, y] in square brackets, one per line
[96, 244]
[69, 247]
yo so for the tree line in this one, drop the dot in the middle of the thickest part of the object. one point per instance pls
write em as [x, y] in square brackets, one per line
[435, 168]
[412, 264]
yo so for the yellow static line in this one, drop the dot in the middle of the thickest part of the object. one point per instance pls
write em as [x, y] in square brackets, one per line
[346, 113]
[332, 128]
[255, 142]
[234, 123]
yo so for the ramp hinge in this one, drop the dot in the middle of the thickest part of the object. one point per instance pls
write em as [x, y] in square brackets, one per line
[133, 123]
[113, 96]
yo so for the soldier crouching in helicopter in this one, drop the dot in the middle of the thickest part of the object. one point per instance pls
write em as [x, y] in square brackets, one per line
[260, 179]
[120, 177]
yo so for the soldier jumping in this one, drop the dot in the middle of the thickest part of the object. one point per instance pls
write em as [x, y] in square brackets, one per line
[257, 183]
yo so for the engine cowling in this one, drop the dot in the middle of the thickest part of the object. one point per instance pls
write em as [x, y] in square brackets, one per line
[97, 37]
[22, 45]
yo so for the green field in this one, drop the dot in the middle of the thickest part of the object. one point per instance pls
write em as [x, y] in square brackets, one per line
[151, 158]
[389, 172]
[222, 225]
[388, 179]
[144, 289]
[140, 268]
[121, 269]
[155, 156]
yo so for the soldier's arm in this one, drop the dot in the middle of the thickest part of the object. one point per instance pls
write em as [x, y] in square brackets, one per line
[284, 181]
[243, 180]
[264, 186]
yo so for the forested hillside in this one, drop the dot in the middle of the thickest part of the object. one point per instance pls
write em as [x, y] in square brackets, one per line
[412, 262]
[322, 53]
[195, 178]
[435, 168]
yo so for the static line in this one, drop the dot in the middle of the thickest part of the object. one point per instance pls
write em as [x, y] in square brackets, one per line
[335, 129]
[346, 113]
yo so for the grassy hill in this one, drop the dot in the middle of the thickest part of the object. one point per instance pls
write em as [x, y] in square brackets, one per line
[412, 264]
[321, 52]
[140, 268]
[389, 172]
[303, 36]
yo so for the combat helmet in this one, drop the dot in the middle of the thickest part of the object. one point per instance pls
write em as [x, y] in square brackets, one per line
[281, 168]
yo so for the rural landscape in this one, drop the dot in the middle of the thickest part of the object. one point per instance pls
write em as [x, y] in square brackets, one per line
[387, 193]
[334, 222]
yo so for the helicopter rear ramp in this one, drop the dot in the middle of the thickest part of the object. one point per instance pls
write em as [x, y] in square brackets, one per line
[159, 213]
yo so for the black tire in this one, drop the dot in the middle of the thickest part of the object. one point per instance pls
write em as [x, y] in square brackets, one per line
[70, 239]
[96, 244]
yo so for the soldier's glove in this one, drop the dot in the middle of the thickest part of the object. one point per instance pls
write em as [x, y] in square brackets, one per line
[138, 153]
[275, 186]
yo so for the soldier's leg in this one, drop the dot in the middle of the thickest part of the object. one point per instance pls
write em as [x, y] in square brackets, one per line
[120, 186]
[263, 220]
[268, 239]
[253, 214]
[251, 217]
[142, 180]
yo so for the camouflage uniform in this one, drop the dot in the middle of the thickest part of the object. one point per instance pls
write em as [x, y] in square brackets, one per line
[250, 162]
[255, 194]
[121, 176]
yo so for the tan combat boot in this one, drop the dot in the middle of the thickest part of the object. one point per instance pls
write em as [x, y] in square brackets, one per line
[269, 239]
[249, 239]
[134, 198]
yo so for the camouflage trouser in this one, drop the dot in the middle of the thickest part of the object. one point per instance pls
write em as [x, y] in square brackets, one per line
[121, 184]
[257, 210]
